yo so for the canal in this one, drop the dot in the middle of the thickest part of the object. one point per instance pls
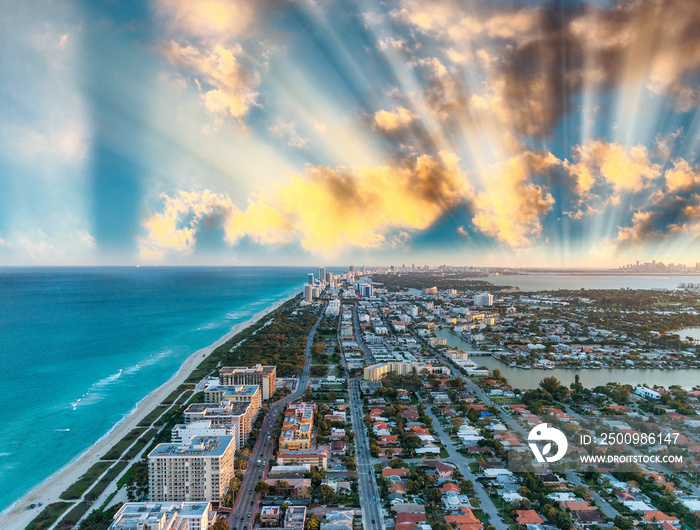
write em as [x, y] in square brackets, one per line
[520, 378]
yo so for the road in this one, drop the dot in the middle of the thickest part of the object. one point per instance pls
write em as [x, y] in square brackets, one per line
[370, 500]
[369, 360]
[246, 506]
[462, 463]
[604, 505]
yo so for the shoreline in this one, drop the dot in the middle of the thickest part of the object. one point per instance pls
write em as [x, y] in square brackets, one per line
[17, 515]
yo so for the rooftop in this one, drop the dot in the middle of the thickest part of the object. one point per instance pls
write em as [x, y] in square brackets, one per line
[199, 446]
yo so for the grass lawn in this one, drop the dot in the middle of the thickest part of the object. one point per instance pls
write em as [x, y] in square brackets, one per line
[48, 515]
[153, 416]
[79, 487]
[74, 516]
[140, 444]
[500, 400]
[481, 516]
[105, 481]
[185, 397]
[174, 395]
[121, 446]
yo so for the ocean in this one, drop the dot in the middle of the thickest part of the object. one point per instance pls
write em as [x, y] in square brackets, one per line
[80, 347]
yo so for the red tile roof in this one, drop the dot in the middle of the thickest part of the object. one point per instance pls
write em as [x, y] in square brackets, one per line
[528, 517]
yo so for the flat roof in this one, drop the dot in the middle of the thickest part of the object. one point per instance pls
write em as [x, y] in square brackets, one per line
[234, 390]
[205, 446]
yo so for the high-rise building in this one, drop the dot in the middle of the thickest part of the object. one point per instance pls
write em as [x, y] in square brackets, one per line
[310, 280]
[197, 471]
[352, 269]
[184, 432]
[366, 289]
[263, 376]
[237, 416]
[163, 516]
[483, 299]
[329, 277]
[308, 293]
[218, 393]
[321, 274]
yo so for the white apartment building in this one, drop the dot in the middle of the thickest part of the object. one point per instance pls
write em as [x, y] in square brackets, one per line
[184, 432]
[238, 416]
[263, 376]
[163, 516]
[217, 394]
[197, 471]
[483, 299]
[333, 307]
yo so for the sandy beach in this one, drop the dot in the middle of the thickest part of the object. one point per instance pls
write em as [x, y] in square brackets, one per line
[18, 516]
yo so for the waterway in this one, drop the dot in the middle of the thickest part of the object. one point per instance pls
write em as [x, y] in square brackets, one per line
[554, 281]
[693, 333]
[520, 378]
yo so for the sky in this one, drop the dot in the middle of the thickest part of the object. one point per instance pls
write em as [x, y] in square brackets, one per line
[173, 132]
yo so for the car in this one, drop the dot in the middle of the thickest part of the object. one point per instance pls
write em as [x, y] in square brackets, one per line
[252, 502]
[249, 514]
[259, 477]
[372, 521]
[370, 481]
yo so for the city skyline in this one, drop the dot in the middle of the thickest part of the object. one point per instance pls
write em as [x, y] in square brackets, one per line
[253, 133]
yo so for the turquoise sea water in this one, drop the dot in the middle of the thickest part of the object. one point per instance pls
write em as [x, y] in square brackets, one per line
[80, 347]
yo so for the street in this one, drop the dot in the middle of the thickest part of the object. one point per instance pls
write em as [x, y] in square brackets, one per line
[370, 500]
[246, 506]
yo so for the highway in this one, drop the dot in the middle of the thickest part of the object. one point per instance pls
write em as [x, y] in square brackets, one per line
[246, 506]
[370, 500]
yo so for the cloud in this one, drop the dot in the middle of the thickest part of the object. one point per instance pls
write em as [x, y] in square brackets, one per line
[326, 210]
[657, 43]
[442, 19]
[208, 19]
[175, 228]
[390, 121]
[527, 64]
[445, 91]
[512, 206]
[625, 169]
[63, 245]
[682, 176]
[86, 238]
[48, 143]
[665, 143]
[287, 130]
[672, 210]
[654, 225]
[226, 85]
[206, 43]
